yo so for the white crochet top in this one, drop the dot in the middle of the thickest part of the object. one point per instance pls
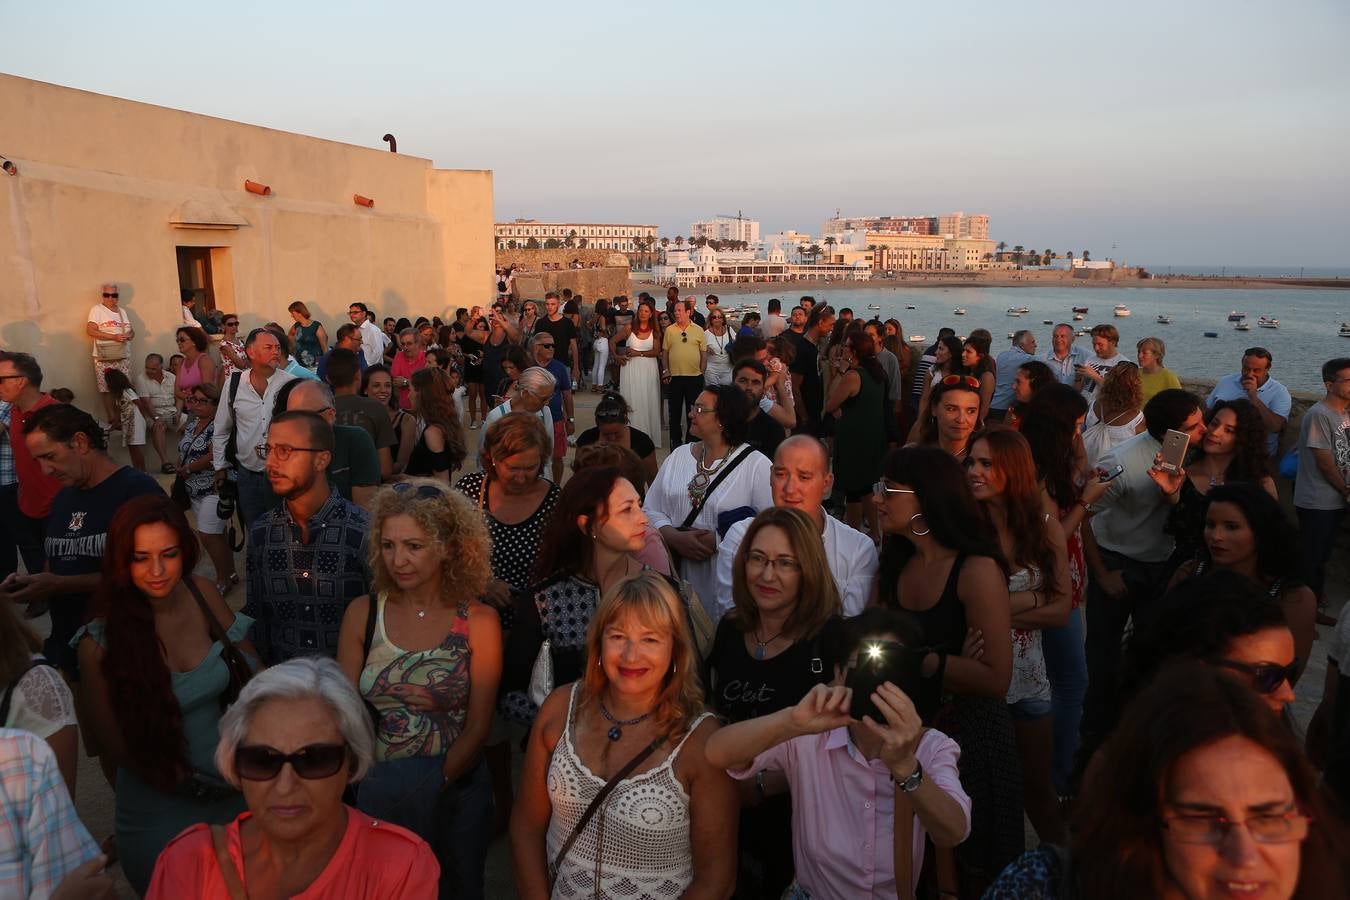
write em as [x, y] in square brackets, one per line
[636, 845]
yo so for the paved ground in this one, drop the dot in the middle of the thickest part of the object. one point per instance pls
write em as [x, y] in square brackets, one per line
[94, 798]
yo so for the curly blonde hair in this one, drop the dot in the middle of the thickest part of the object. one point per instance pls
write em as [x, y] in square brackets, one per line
[651, 598]
[449, 519]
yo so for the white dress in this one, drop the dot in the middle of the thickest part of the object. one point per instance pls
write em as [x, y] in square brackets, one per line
[640, 384]
[668, 503]
[718, 370]
[1029, 678]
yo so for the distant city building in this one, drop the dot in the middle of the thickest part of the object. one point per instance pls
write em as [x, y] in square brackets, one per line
[726, 228]
[929, 253]
[897, 224]
[960, 225]
[684, 268]
[596, 236]
[789, 242]
[957, 225]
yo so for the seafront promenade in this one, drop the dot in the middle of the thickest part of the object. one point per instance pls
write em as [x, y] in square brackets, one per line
[94, 798]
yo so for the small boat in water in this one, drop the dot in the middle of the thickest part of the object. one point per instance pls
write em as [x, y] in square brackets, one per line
[909, 307]
[874, 306]
[1080, 332]
[1243, 326]
[1047, 321]
[1211, 334]
[1080, 309]
[1267, 322]
[1078, 317]
[1345, 329]
[1164, 320]
[959, 311]
[917, 339]
[1236, 316]
[1015, 311]
[1121, 311]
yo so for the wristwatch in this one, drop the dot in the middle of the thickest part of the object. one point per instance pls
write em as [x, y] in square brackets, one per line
[910, 784]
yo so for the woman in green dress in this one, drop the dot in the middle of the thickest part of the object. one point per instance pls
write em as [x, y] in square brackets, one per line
[161, 659]
[858, 399]
[307, 336]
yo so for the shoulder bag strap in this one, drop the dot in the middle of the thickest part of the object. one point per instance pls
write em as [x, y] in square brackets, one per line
[602, 795]
[228, 871]
[727, 468]
[372, 611]
[240, 670]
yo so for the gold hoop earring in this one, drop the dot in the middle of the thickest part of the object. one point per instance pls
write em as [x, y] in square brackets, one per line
[911, 526]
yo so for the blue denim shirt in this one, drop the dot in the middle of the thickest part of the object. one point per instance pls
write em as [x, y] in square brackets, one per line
[298, 590]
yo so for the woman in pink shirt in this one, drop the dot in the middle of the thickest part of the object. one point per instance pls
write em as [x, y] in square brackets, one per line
[198, 367]
[411, 357]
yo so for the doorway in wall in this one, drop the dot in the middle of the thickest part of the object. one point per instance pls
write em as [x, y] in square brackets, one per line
[195, 277]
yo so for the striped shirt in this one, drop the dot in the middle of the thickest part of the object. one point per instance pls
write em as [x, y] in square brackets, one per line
[41, 838]
[8, 474]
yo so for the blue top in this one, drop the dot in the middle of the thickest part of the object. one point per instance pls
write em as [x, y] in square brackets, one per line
[563, 376]
[297, 589]
[1273, 394]
[1008, 362]
[322, 373]
[1064, 368]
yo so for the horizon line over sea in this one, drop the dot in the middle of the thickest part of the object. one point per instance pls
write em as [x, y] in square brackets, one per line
[1307, 335]
[1262, 271]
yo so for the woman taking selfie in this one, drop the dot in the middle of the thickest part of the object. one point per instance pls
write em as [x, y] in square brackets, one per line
[161, 659]
[632, 728]
[426, 654]
[1002, 477]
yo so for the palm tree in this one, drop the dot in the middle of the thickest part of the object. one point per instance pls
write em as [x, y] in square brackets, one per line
[1087, 256]
[552, 244]
[1002, 245]
[511, 245]
[815, 252]
[803, 251]
[583, 243]
[679, 241]
[532, 244]
[830, 242]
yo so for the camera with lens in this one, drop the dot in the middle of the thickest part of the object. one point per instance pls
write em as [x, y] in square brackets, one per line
[915, 670]
[227, 497]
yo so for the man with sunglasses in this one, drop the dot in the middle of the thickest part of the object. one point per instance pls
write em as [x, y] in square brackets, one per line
[111, 330]
[684, 357]
[307, 558]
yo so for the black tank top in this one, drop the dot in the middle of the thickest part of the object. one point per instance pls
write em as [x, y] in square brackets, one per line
[944, 623]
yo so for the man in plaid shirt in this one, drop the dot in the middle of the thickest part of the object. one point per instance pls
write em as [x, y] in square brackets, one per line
[43, 844]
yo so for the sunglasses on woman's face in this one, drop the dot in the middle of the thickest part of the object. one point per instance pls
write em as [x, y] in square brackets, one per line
[1266, 677]
[261, 763]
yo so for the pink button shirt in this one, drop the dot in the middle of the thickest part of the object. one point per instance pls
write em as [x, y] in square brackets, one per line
[843, 845]
[402, 367]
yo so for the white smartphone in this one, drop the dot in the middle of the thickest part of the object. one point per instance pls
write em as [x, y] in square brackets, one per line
[1174, 446]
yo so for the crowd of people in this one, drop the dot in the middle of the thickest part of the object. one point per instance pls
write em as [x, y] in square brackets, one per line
[873, 609]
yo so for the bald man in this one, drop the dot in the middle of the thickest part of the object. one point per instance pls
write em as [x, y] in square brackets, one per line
[801, 479]
[355, 468]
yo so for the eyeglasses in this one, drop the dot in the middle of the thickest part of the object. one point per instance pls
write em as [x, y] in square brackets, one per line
[969, 381]
[881, 489]
[703, 409]
[282, 451]
[1266, 677]
[110, 295]
[785, 565]
[420, 491]
[312, 762]
[1264, 828]
[8, 377]
[199, 400]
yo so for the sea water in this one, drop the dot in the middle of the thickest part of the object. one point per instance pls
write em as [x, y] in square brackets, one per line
[1307, 337]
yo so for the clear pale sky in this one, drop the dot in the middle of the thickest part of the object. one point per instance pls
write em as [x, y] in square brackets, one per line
[1191, 132]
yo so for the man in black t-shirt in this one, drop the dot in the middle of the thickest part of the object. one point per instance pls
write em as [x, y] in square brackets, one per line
[70, 447]
[807, 389]
[564, 334]
[766, 434]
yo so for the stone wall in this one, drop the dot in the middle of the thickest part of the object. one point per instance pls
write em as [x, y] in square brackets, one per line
[591, 284]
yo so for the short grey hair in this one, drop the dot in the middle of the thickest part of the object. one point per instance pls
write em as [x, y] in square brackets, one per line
[1020, 337]
[537, 380]
[309, 384]
[303, 678]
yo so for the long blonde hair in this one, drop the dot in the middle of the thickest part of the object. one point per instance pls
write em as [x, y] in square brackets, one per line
[655, 603]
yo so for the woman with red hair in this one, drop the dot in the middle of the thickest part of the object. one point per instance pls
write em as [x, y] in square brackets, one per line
[1002, 476]
[159, 662]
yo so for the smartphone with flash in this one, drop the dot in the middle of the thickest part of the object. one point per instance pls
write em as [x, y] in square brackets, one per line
[1174, 446]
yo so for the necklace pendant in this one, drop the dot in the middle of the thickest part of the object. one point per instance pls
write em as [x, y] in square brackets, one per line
[421, 614]
[615, 732]
[759, 650]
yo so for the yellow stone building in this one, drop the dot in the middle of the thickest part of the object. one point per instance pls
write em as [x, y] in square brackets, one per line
[158, 200]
